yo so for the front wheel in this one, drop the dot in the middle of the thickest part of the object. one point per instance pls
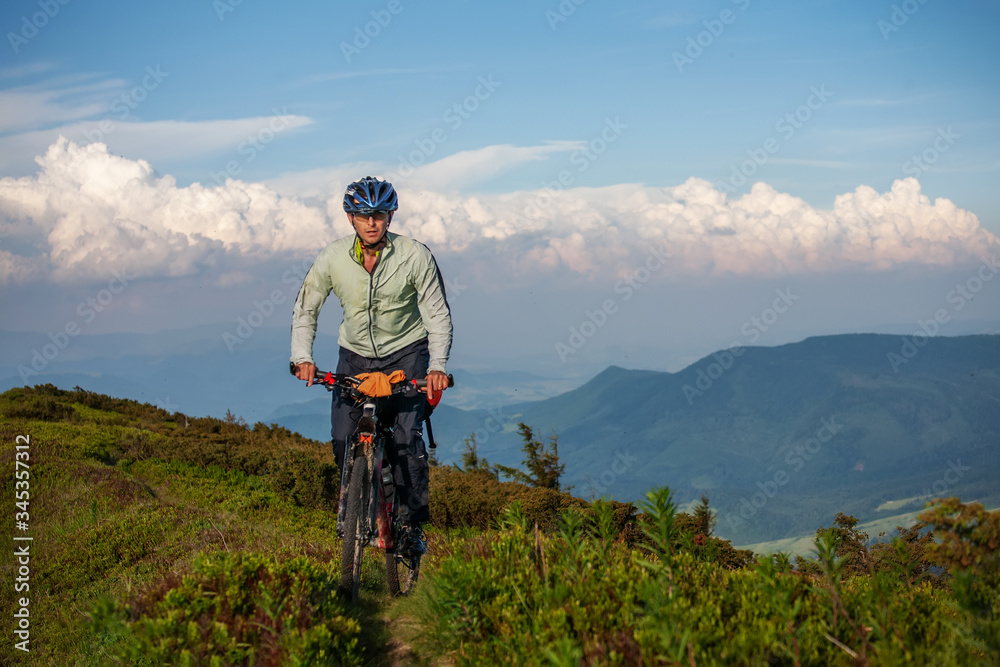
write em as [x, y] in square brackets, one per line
[355, 526]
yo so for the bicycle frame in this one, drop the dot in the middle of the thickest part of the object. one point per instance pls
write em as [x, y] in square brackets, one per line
[375, 523]
[367, 512]
[371, 442]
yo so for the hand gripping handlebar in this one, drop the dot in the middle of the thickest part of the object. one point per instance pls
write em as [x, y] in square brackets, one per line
[343, 381]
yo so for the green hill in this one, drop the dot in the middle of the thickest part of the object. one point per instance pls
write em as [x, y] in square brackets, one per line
[782, 438]
[121, 497]
[748, 430]
[159, 538]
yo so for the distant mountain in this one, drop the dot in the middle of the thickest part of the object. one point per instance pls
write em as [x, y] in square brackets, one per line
[451, 425]
[748, 430]
[195, 371]
[781, 439]
[189, 370]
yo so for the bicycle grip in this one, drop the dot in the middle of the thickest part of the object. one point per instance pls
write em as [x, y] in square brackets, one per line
[423, 383]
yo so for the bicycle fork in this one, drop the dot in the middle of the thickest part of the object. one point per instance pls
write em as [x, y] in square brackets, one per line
[385, 500]
[377, 530]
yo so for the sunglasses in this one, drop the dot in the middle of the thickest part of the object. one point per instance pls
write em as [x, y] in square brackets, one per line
[380, 216]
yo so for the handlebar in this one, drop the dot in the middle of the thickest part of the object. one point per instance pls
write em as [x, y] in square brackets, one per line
[344, 381]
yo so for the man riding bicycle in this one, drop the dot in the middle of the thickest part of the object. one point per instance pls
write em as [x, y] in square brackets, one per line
[396, 317]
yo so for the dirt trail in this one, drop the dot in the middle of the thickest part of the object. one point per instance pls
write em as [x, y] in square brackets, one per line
[399, 653]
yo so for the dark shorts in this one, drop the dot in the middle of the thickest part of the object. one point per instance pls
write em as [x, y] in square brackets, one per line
[407, 452]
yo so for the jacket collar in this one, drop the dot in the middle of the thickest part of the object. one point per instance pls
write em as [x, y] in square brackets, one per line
[357, 251]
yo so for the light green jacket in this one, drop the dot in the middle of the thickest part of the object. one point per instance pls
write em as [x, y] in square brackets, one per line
[400, 302]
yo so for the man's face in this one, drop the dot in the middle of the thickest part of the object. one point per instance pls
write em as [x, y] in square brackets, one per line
[370, 226]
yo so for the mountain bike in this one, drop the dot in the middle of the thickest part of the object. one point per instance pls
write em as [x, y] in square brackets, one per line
[367, 513]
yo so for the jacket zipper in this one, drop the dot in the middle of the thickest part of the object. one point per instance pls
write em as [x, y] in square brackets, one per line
[371, 324]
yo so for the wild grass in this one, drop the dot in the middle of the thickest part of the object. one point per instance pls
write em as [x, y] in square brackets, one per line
[130, 527]
[579, 596]
[165, 539]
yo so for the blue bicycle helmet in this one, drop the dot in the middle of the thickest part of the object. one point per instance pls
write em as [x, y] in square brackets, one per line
[369, 195]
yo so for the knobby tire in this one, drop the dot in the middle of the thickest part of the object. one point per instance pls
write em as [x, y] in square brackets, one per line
[393, 566]
[355, 522]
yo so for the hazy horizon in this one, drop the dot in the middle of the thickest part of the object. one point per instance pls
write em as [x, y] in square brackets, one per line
[756, 174]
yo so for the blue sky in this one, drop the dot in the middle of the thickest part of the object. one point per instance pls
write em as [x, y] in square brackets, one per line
[230, 61]
[643, 108]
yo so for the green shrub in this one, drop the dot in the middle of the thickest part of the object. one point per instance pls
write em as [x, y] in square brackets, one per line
[561, 581]
[110, 430]
[108, 545]
[304, 480]
[40, 408]
[476, 499]
[968, 544]
[574, 596]
[235, 609]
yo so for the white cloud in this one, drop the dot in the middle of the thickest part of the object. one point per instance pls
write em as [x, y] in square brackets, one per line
[326, 77]
[40, 105]
[321, 183]
[89, 108]
[155, 140]
[89, 212]
[17, 269]
[18, 71]
[465, 168]
[454, 172]
[765, 232]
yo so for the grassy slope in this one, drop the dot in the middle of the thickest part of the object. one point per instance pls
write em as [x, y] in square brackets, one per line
[110, 521]
[138, 506]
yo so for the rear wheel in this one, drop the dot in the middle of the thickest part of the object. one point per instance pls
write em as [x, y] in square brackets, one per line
[355, 510]
[400, 572]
